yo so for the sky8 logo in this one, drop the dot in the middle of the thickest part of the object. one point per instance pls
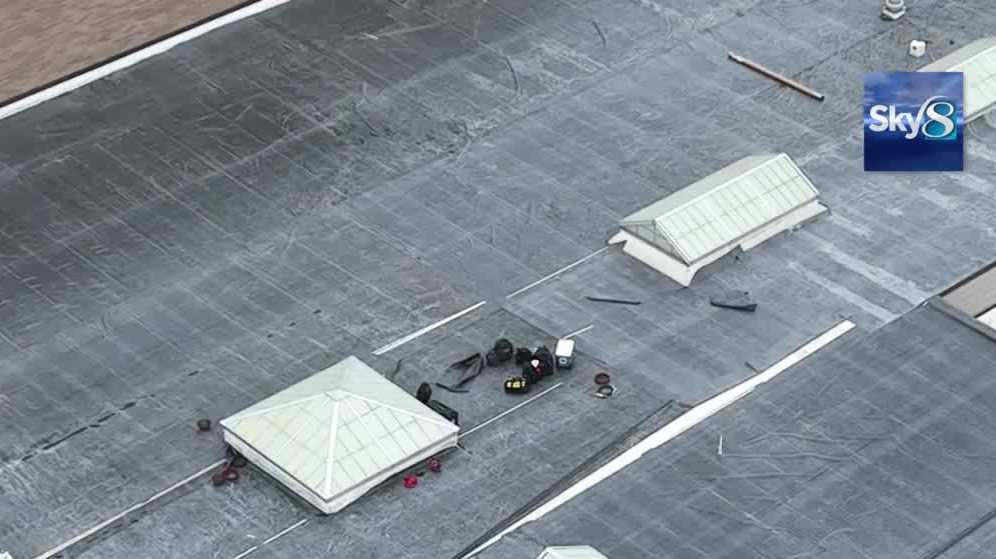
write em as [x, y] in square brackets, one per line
[913, 121]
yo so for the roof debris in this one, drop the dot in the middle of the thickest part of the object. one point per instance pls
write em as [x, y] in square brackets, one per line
[736, 300]
[777, 77]
[600, 33]
[612, 300]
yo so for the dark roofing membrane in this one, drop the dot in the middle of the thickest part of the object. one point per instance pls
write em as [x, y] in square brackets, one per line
[878, 446]
[190, 235]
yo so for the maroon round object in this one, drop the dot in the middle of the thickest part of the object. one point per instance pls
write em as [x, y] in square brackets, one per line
[434, 465]
[602, 379]
[230, 474]
[410, 481]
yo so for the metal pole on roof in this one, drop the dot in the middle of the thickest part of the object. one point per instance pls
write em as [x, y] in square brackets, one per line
[777, 77]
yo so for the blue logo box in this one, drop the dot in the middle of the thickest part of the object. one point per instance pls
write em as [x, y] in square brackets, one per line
[914, 121]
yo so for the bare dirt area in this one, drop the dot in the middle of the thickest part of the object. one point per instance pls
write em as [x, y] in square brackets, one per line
[43, 40]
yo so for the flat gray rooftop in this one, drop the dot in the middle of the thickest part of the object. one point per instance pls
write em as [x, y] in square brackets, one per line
[197, 232]
[879, 446]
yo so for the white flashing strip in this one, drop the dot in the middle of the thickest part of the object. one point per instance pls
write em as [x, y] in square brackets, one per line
[683, 423]
[271, 539]
[247, 552]
[284, 532]
[402, 341]
[579, 332]
[512, 409]
[154, 49]
[549, 277]
[61, 547]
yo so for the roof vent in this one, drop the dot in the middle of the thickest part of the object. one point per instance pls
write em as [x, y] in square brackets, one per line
[893, 9]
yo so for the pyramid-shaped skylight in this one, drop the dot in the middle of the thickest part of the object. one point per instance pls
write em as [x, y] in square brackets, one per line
[338, 433]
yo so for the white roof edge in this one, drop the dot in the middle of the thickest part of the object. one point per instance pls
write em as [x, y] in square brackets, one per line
[68, 85]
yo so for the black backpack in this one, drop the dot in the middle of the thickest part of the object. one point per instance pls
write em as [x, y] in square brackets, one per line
[543, 355]
[504, 350]
[424, 393]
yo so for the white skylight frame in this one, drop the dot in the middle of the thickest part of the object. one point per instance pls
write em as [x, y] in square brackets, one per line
[571, 552]
[740, 206]
[335, 435]
[977, 61]
[729, 205]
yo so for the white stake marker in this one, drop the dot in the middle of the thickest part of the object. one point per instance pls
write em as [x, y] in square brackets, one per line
[402, 341]
[558, 272]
